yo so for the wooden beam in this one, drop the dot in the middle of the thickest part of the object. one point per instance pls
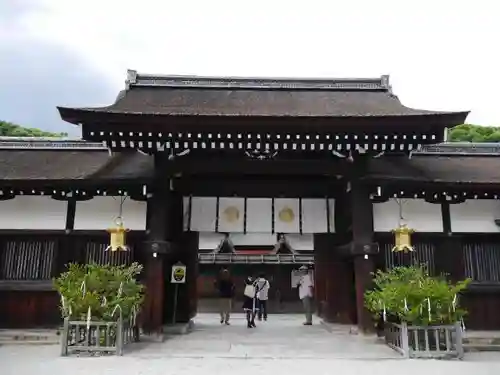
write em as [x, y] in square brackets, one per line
[229, 166]
[253, 187]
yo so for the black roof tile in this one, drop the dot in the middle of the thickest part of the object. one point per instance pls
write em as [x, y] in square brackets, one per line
[259, 97]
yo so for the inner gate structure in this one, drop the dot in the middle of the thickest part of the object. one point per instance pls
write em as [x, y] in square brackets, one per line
[313, 165]
[273, 139]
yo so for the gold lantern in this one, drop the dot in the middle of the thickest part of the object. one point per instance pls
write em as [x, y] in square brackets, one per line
[402, 237]
[117, 236]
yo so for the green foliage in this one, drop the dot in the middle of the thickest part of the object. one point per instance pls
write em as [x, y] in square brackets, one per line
[105, 289]
[8, 129]
[474, 133]
[417, 288]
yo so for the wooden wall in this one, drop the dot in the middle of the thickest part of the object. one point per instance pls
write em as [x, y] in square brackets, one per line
[29, 262]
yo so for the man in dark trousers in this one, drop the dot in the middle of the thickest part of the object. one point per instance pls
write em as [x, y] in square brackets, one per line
[262, 286]
[225, 289]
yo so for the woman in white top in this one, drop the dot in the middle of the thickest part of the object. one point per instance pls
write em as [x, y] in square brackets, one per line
[250, 305]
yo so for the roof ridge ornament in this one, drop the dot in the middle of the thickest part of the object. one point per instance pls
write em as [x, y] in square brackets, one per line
[271, 83]
[385, 82]
[131, 78]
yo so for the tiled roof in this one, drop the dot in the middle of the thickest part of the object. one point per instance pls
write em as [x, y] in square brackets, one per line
[74, 160]
[32, 164]
[451, 168]
[259, 97]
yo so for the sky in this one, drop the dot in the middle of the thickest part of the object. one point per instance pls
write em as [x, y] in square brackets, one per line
[440, 55]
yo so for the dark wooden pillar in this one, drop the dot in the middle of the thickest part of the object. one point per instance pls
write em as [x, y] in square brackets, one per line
[363, 249]
[186, 252]
[449, 256]
[157, 249]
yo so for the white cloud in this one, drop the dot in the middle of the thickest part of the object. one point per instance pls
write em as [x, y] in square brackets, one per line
[440, 54]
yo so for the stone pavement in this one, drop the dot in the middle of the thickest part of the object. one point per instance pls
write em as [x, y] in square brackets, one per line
[281, 345]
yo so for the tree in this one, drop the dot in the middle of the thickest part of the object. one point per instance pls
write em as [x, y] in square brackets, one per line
[474, 133]
[8, 129]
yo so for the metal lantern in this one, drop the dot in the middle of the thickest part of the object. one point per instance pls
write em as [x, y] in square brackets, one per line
[117, 236]
[402, 237]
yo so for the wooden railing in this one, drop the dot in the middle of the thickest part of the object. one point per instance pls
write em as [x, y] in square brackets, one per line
[97, 337]
[443, 341]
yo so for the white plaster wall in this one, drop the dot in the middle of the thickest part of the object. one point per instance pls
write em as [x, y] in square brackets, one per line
[100, 213]
[203, 214]
[300, 241]
[314, 215]
[417, 214]
[259, 215]
[209, 240]
[253, 239]
[33, 212]
[476, 216]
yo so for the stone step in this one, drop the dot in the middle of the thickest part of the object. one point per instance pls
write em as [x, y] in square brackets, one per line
[479, 343]
[481, 348]
[29, 337]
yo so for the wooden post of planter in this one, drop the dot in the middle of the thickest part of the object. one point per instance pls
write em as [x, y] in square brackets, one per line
[64, 338]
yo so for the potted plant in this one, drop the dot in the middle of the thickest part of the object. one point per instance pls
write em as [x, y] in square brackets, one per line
[107, 298]
[408, 298]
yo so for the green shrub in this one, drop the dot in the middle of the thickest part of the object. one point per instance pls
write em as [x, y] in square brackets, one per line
[406, 292]
[106, 289]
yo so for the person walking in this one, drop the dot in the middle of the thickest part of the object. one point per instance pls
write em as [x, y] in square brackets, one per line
[262, 286]
[250, 304]
[305, 286]
[225, 289]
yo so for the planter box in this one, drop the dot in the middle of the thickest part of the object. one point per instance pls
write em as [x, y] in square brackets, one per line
[444, 341]
[100, 337]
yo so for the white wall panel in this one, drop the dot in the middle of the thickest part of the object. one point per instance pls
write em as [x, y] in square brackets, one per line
[231, 214]
[203, 214]
[476, 216]
[259, 215]
[331, 209]
[417, 214]
[186, 207]
[33, 212]
[253, 239]
[100, 213]
[314, 216]
[209, 240]
[286, 215]
[300, 241]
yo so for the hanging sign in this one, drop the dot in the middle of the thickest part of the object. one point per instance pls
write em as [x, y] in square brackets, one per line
[178, 274]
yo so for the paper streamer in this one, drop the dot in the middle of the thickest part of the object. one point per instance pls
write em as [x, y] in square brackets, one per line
[429, 307]
[89, 315]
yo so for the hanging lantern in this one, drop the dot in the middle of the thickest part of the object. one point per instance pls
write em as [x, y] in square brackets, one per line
[402, 238]
[117, 236]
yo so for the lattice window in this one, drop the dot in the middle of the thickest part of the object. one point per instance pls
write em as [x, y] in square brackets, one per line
[482, 262]
[423, 254]
[27, 259]
[95, 253]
